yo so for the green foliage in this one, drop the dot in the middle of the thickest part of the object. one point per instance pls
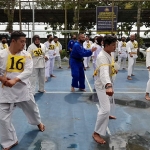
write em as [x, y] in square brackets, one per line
[140, 41]
[125, 27]
[64, 53]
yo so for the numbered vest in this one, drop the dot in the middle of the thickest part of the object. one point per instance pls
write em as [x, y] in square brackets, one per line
[51, 47]
[123, 44]
[88, 45]
[57, 44]
[15, 63]
[135, 45]
[5, 46]
[37, 52]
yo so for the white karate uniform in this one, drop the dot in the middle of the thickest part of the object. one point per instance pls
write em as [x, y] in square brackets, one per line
[87, 46]
[58, 48]
[103, 77]
[3, 46]
[38, 66]
[20, 66]
[148, 65]
[131, 47]
[114, 54]
[52, 53]
[95, 54]
[122, 54]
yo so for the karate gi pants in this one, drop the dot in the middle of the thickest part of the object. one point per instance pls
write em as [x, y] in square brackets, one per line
[58, 59]
[94, 77]
[77, 71]
[148, 84]
[7, 131]
[51, 65]
[131, 64]
[122, 62]
[37, 75]
[94, 66]
[104, 112]
[86, 61]
[47, 69]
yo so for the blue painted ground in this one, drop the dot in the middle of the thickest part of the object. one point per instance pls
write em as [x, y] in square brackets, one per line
[70, 117]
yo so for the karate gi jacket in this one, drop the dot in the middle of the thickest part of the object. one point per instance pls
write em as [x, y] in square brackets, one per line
[104, 70]
[38, 55]
[70, 44]
[78, 52]
[148, 57]
[132, 47]
[58, 47]
[95, 53]
[12, 66]
[3, 46]
[87, 45]
[122, 48]
[51, 49]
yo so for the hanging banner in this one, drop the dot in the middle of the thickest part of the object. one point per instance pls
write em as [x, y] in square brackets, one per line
[104, 18]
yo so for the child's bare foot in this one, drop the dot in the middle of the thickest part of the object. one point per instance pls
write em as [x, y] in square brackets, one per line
[98, 138]
[41, 127]
[112, 117]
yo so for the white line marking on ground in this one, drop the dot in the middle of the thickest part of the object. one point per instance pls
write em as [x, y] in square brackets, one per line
[108, 131]
[88, 83]
[118, 92]
[63, 92]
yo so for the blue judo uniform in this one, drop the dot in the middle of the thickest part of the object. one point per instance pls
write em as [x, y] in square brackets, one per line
[70, 45]
[76, 64]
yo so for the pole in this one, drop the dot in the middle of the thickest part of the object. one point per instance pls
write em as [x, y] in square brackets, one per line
[112, 21]
[66, 24]
[20, 15]
[33, 27]
[138, 23]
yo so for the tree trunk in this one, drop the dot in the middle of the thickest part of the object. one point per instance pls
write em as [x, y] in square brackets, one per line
[138, 23]
[10, 14]
[76, 15]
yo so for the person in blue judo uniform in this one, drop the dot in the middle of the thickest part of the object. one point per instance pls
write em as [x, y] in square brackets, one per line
[76, 63]
[70, 45]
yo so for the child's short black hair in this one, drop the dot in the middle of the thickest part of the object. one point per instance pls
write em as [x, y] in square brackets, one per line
[16, 35]
[108, 39]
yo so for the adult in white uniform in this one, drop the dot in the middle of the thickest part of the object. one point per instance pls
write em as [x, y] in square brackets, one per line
[15, 69]
[88, 46]
[58, 48]
[39, 54]
[104, 86]
[148, 67]
[3, 44]
[132, 47]
[122, 53]
[98, 45]
[50, 44]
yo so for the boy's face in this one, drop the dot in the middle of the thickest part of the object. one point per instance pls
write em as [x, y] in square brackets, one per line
[111, 48]
[20, 43]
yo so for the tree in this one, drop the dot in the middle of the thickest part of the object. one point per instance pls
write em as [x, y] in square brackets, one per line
[9, 6]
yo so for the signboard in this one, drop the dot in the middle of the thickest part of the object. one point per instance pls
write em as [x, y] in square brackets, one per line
[104, 17]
